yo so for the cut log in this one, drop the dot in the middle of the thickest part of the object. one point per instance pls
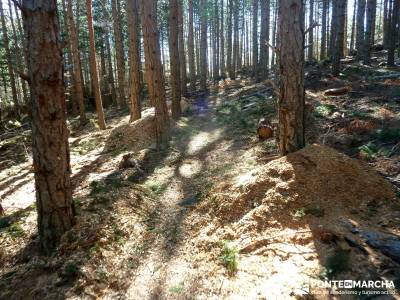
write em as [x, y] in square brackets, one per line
[337, 91]
[265, 129]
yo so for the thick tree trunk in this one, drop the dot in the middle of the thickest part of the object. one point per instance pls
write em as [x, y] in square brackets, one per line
[192, 64]
[291, 92]
[255, 37]
[182, 52]
[6, 44]
[49, 129]
[174, 60]
[119, 47]
[135, 85]
[154, 71]
[76, 63]
[339, 38]
[203, 46]
[93, 67]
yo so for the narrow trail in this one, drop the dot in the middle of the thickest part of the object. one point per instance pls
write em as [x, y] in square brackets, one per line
[197, 147]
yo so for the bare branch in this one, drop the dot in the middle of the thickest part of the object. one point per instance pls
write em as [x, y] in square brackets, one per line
[313, 25]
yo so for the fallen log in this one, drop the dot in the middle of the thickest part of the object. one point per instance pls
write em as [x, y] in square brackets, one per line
[337, 91]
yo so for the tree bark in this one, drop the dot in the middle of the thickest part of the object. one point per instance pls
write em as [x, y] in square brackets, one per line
[135, 85]
[291, 64]
[255, 37]
[229, 41]
[154, 71]
[182, 52]
[368, 42]
[119, 47]
[323, 29]
[49, 129]
[264, 40]
[310, 53]
[360, 28]
[93, 67]
[110, 73]
[353, 27]
[235, 56]
[222, 64]
[174, 59]
[393, 33]
[339, 37]
[203, 46]
[192, 64]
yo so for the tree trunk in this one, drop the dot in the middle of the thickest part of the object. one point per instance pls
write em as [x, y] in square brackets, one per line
[393, 33]
[255, 37]
[154, 71]
[222, 63]
[76, 63]
[339, 37]
[323, 29]
[353, 27]
[310, 53]
[10, 66]
[235, 56]
[174, 59]
[360, 28]
[291, 92]
[192, 64]
[110, 73]
[49, 129]
[216, 42]
[119, 47]
[203, 46]
[93, 67]
[371, 6]
[274, 35]
[333, 29]
[264, 40]
[386, 17]
[182, 52]
[135, 85]
[229, 41]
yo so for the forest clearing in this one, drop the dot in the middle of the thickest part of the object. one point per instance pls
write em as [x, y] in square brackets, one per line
[266, 169]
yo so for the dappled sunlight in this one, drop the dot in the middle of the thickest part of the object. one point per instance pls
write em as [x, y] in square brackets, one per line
[190, 168]
[202, 140]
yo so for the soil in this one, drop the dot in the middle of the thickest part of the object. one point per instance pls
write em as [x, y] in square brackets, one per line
[218, 215]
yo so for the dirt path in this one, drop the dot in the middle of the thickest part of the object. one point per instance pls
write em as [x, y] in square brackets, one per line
[197, 149]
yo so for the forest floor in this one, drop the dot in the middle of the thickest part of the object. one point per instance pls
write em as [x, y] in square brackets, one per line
[217, 215]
